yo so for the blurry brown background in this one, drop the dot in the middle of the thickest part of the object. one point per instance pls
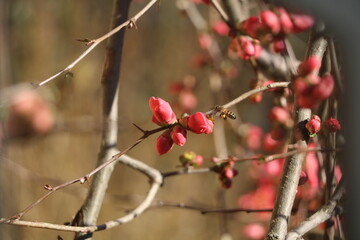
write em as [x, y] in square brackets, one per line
[38, 39]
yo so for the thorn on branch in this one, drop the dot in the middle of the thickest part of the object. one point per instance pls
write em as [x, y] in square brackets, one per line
[132, 23]
[84, 179]
[34, 85]
[87, 41]
[48, 187]
[142, 130]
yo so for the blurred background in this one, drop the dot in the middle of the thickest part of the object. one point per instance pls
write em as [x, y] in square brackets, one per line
[37, 39]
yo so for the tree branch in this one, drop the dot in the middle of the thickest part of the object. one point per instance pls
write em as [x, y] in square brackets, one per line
[325, 213]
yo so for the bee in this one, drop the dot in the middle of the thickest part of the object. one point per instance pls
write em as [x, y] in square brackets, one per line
[224, 113]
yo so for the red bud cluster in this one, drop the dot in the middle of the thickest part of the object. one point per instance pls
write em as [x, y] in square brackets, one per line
[163, 115]
[226, 173]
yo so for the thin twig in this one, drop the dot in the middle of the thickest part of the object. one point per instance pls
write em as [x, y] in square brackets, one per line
[156, 181]
[86, 177]
[93, 43]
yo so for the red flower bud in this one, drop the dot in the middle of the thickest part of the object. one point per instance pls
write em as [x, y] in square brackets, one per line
[286, 24]
[178, 135]
[199, 123]
[271, 21]
[164, 143]
[333, 125]
[278, 45]
[252, 26]
[162, 112]
[324, 89]
[301, 22]
[314, 124]
[310, 65]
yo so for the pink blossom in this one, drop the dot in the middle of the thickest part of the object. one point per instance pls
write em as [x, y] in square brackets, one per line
[324, 89]
[199, 123]
[221, 28]
[262, 197]
[279, 115]
[245, 47]
[254, 231]
[252, 26]
[286, 24]
[278, 45]
[164, 143]
[271, 21]
[309, 65]
[162, 111]
[314, 124]
[29, 113]
[178, 135]
[205, 41]
[253, 138]
[271, 145]
[301, 22]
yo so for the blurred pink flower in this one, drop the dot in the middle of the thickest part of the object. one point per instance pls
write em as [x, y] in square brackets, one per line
[254, 231]
[221, 28]
[29, 113]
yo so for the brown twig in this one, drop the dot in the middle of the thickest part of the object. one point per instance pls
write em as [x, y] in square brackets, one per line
[156, 181]
[93, 43]
[85, 178]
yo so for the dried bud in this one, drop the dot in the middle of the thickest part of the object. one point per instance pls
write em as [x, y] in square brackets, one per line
[332, 125]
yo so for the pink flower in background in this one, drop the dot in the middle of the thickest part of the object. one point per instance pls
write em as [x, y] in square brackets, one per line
[221, 28]
[164, 143]
[162, 111]
[262, 197]
[253, 137]
[199, 123]
[29, 113]
[254, 231]
[271, 21]
[245, 48]
[205, 41]
[309, 65]
[279, 115]
[301, 22]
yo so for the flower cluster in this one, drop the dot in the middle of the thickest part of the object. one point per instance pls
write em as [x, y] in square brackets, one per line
[309, 87]
[273, 26]
[245, 47]
[226, 172]
[163, 115]
[191, 159]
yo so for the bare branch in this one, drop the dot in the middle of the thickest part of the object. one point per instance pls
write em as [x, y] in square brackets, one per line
[93, 43]
[325, 213]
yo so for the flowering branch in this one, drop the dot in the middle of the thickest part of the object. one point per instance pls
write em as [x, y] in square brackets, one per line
[93, 43]
[293, 166]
